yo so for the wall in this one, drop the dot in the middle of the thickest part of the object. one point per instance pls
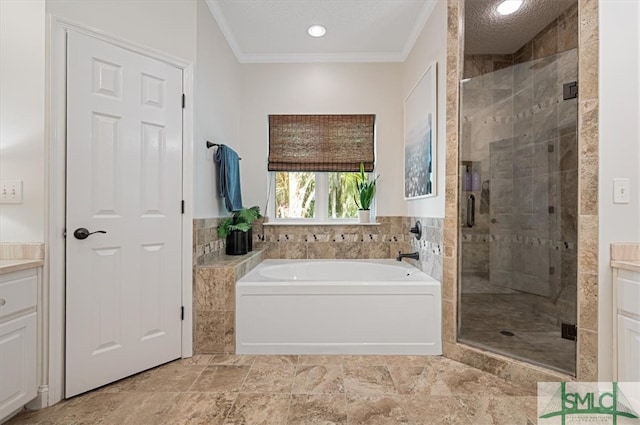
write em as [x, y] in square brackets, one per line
[22, 76]
[168, 26]
[619, 151]
[322, 88]
[431, 46]
[216, 109]
[185, 29]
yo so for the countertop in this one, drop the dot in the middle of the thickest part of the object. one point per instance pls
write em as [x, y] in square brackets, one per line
[9, 266]
[224, 260]
[630, 265]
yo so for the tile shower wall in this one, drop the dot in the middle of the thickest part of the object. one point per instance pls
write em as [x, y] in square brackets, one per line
[559, 36]
[587, 347]
[526, 219]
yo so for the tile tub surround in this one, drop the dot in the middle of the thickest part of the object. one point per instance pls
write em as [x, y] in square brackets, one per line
[430, 246]
[300, 390]
[355, 241]
[207, 246]
[214, 301]
[587, 209]
[351, 241]
[215, 274]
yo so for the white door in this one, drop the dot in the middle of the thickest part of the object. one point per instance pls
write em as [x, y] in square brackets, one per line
[124, 177]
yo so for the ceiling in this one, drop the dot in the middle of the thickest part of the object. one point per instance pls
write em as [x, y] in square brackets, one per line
[488, 32]
[357, 30]
[275, 31]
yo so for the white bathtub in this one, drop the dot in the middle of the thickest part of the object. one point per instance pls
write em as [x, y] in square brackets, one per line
[337, 307]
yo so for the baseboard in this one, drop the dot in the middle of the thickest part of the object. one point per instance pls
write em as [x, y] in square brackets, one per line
[42, 399]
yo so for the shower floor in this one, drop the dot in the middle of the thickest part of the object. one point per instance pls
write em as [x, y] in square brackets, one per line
[536, 337]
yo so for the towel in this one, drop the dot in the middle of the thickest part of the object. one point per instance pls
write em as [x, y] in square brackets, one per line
[229, 177]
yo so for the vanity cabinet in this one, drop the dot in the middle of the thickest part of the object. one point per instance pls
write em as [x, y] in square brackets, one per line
[627, 324]
[18, 343]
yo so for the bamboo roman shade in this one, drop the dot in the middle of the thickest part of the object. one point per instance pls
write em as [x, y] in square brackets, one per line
[321, 142]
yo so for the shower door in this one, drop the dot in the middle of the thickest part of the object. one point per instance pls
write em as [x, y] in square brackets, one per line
[518, 211]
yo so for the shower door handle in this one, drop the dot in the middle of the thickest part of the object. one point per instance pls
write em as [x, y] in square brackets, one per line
[471, 210]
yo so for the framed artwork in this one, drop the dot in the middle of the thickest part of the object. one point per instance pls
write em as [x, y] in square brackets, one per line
[420, 117]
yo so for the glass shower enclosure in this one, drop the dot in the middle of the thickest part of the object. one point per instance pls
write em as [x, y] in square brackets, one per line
[518, 211]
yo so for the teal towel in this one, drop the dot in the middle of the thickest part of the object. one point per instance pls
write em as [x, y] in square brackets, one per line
[229, 177]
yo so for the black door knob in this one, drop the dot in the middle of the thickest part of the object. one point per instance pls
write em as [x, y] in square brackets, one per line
[82, 233]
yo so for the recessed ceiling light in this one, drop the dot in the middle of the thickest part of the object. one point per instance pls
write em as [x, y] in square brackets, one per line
[507, 7]
[317, 30]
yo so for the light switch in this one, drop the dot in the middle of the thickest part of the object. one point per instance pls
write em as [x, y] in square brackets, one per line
[621, 191]
[11, 192]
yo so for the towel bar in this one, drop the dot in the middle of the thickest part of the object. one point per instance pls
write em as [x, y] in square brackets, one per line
[210, 145]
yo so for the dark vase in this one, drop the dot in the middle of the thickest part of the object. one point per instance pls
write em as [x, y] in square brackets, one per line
[237, 243]
[250, 239]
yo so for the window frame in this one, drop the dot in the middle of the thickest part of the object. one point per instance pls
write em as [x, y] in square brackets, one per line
[321, 209]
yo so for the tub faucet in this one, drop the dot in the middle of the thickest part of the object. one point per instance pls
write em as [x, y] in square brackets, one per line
[413, 255]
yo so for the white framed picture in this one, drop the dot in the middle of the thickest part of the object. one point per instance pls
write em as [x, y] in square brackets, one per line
[420, 118]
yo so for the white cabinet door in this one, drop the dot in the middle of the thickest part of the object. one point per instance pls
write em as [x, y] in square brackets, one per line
[628, 349]
[124, 177]
[18, 383]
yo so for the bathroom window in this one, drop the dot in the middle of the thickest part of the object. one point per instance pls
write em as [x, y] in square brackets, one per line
[315, 195]
[314, 160]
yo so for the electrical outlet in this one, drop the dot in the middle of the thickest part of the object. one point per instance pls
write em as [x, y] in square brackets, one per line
[11, 192]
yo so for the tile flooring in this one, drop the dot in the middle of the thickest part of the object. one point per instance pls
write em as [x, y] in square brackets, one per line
[305, 390]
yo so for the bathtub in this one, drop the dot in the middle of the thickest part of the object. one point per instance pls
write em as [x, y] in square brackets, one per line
[337, 307]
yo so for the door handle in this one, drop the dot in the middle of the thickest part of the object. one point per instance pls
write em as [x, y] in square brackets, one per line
[471, 211]
[82, 233]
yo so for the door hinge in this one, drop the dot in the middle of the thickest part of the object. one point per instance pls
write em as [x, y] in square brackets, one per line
[182, 206]
[569, 331]
[184, 100]
[570, 90]
[182, 313]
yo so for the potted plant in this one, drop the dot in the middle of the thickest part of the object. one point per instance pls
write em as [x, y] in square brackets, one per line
[237, 230]
[249, 216]
[366, 190]
[236, 235]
